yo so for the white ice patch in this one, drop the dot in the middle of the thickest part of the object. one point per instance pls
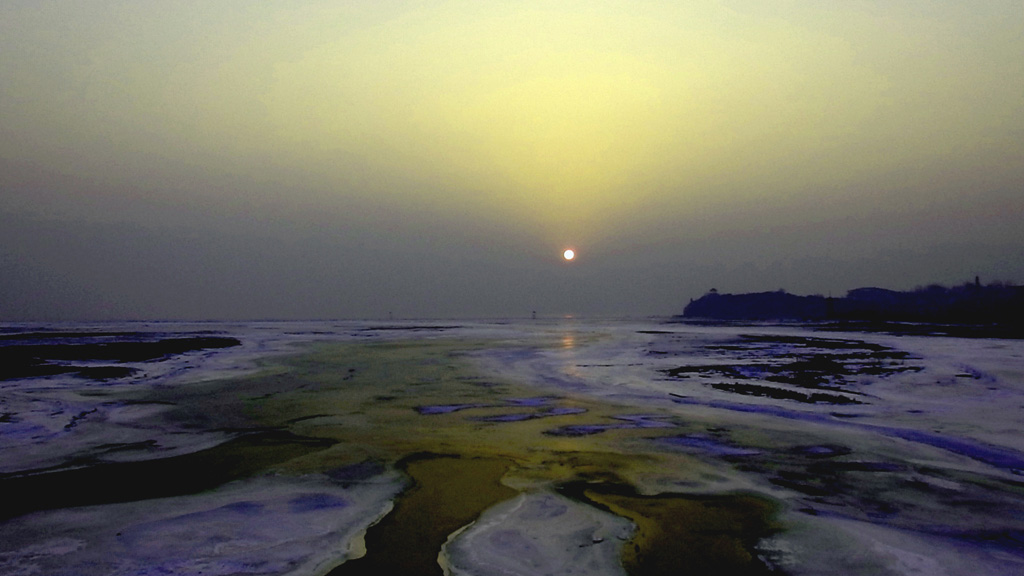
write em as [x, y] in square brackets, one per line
[823, 545]
[538, 534]
[55, 421]
[271, 525]
[969, 389]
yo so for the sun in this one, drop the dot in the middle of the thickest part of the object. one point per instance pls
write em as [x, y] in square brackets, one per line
[569, 254]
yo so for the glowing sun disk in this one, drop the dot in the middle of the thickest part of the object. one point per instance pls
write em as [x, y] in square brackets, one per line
[569, 254]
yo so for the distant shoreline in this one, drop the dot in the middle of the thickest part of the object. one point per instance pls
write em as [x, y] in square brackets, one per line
[969, 310]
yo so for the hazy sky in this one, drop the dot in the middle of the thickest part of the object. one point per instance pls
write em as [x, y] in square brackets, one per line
[330, 159]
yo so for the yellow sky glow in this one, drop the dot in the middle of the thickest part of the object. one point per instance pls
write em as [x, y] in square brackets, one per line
[562, 116]
[317, 158]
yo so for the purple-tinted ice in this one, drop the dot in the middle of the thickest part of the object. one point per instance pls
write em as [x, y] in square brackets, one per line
[447, 408]
[534, 401]
[707, 445]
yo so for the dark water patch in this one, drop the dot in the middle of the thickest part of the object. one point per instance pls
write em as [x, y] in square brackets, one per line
[70, 335]
[705, 444]
[79, 417]
[644, 421]
[102, 373]
[523, 416]
[447, 408]
[720, 370]
[826, 372]
[412, 328]
[863, 490]
[145, 446]
[447, 493]
[631, 421]
[728, 347]
[535, 402]
[30, 368]
[574, 430]
[839, 466]
[805, 483]
[813, 372]
[687, 534]
[520, 417]
[764, 409]
[15, 368]
[109, 483]
[806, 362]
[887, 369]
[816, 451]
[355, 473]
[813, 342]
[532, 402]
[1007, 539]
[121, 351]
[1007, 331]
[783, 394]
[303, 418]
[40, 360]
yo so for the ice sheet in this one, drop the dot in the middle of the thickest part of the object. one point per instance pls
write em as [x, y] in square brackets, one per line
[921, 474]
[269, 525]
[538, 534]
[967, 396]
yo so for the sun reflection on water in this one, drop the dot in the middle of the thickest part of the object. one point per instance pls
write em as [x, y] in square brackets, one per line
[568, 341]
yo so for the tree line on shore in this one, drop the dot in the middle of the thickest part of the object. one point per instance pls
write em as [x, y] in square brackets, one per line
[969, 303]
